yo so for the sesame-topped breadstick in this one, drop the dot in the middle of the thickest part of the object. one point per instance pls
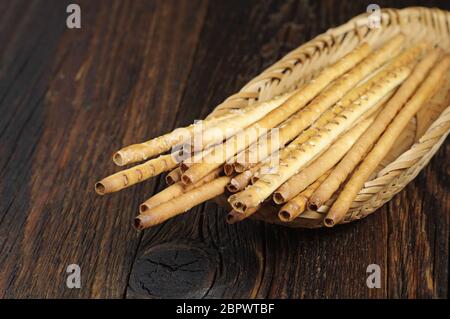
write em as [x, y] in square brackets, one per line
[255, 194]
[323, 163]
[365, 142]
[384, 144]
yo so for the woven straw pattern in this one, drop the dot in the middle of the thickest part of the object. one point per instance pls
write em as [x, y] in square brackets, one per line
[302, 64]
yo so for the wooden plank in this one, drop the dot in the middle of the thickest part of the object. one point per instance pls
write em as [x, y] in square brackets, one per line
[125, 68]
[418, 246]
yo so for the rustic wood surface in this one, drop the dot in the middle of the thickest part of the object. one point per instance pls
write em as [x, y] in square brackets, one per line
[137, 69]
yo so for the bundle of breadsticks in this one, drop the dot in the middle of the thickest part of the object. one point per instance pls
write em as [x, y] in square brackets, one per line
[316, 145]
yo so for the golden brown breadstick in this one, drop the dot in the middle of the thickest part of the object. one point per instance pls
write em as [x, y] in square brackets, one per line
[300, 155]
[136, 174]
[234, 216]
[174, 176]
[297, 205]
[302, 119]
[225, 129]
[357, 152]
[211, 131]
[158, 214]
[142, 151]
[241, 181]
[326, 117]
[223, 152]
[175, 190]
[382, 147]
[323, 163]
[405, 58]
[228, 168]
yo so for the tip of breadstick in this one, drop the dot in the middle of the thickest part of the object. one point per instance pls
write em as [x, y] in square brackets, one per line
[228, 169]
[329, 222]
[144, 208]
[284, 216]
[138, 223]
[239, 167]
[237, 205]
[100, 188]
[118, 159]
[278, 198]
[313, 206]
[170, 180]
[184, 167]
[254, 179]
[240, 207]
[186, 179]
[232, 186]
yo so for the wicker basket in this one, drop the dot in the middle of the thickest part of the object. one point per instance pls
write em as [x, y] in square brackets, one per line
[420, 141]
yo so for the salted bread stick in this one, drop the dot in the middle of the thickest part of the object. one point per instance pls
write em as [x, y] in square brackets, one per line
[323, 163]
[223, 152]
[174, 176]
[175, 190]
[365, 142]
[297, 205]
[136, 174]
[384, 144]
[336, 91]
[181, 204]
[253, 195]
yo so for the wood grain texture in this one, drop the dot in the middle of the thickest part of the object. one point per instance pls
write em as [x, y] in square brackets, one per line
[137, 69]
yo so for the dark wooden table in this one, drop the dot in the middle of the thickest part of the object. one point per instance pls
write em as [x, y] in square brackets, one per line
[136, 69]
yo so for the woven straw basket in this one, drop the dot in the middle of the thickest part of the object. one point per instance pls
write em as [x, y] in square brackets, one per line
[418, 143]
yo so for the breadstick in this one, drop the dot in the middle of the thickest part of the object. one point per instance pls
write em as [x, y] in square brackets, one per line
[326, 117]
[297, 205]
[365, 142]
[302, 119]
[323, 163]
[136, 174]
[195, 158]
[142, 151]
[405, 58]
[299, 156]
[211, 131]
[234, 216]
[223, 152]
[241, 181]
[181, 204]
[174, 176]
[387, 139]
[175, 190]
[228, 168]
[225, 129]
